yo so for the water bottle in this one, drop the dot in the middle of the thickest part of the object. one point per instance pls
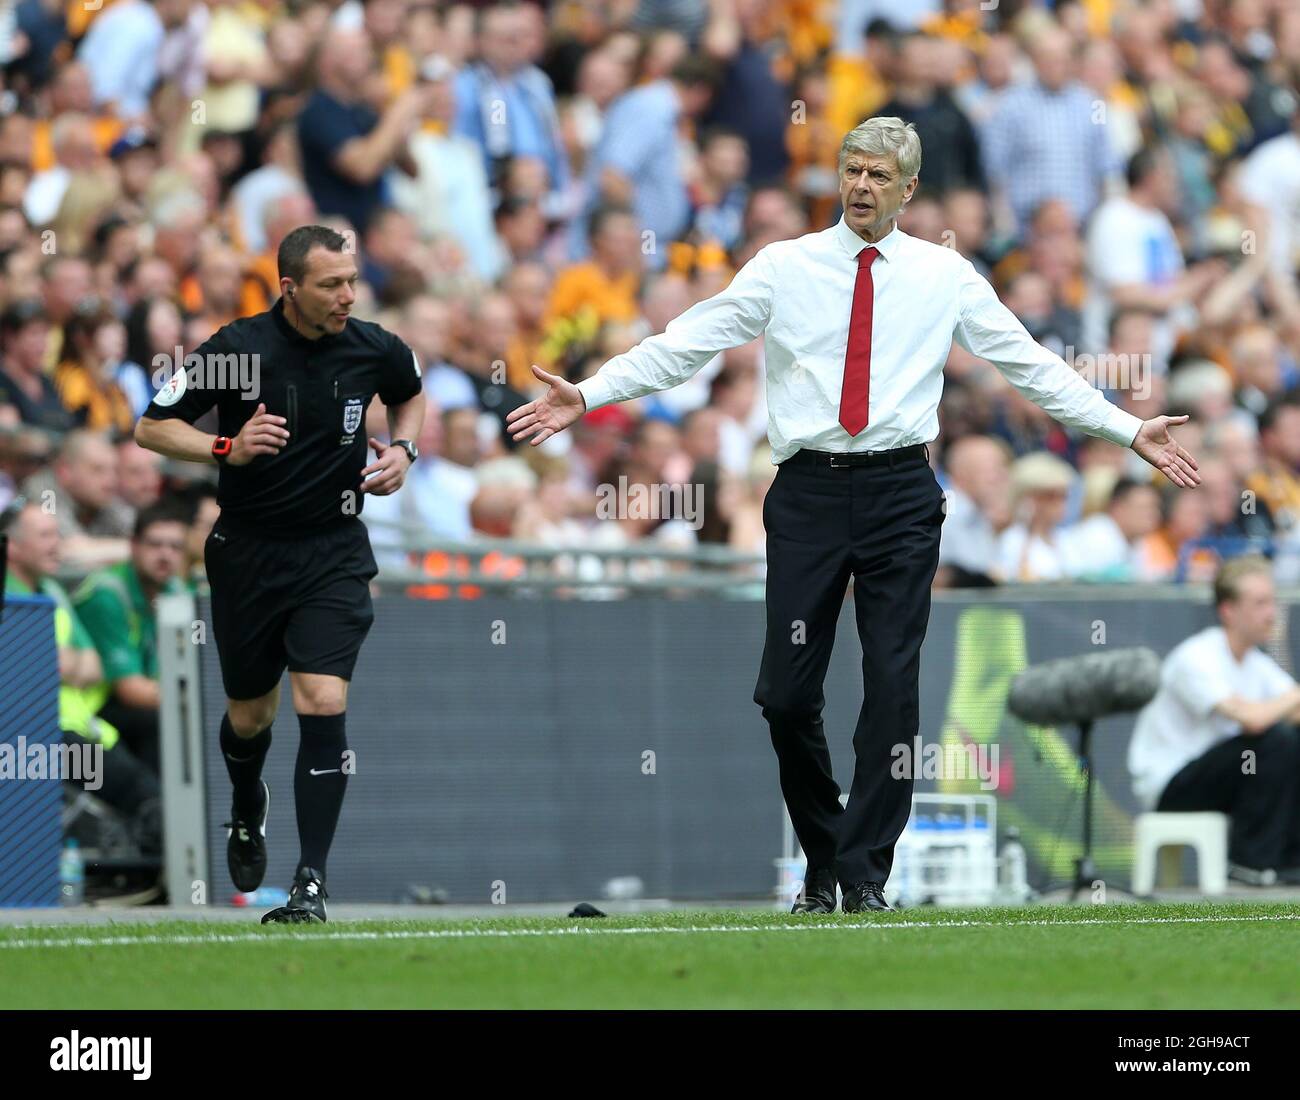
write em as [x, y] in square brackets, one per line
[72, 874]
[1014, 869]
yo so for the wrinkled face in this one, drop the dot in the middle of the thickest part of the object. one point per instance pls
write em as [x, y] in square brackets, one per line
[873, 191]
[1253, 613]
[323, 301]
[159, 551]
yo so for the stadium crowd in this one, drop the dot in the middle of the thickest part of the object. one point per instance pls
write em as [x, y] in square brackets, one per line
[548, 183]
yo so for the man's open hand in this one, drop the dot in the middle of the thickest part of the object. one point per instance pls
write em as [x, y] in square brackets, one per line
[1154, 443]
[551, 413]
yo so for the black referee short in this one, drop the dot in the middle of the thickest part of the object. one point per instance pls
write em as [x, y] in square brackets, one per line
[300, 602]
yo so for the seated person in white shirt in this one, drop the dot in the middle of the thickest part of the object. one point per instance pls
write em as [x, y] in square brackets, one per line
[1220, 735]
[978, 506]
[1104, 547]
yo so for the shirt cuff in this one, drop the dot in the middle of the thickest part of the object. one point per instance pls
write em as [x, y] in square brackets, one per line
[1121, 427]
[595, 392]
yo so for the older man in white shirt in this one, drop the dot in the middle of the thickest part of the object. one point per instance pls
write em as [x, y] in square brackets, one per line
[1220, 733]
[857, 322]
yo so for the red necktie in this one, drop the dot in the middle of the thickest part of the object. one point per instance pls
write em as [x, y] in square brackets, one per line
[857, 359]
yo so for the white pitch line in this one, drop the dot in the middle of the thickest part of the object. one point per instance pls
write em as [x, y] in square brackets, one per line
[585, 930]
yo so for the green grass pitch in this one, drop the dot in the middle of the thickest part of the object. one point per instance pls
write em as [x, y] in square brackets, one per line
[1117, 956]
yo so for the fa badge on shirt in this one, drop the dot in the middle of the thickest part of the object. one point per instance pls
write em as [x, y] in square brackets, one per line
[352, 410]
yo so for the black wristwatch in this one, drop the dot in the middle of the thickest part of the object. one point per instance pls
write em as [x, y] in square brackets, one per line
[221, 448]
[412, 451]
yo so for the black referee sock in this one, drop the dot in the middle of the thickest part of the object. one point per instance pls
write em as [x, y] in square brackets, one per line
[319, 783]
[244, 757]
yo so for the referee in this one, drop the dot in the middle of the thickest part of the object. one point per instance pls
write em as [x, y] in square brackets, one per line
[289, 561]
[857, 324]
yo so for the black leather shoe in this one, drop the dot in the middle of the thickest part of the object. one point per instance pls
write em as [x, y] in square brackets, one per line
[818, 894]
[864, 897]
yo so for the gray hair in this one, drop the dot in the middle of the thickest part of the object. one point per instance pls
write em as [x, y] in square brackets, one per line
[882, 136]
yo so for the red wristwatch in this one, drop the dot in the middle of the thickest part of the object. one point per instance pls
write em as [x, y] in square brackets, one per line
[221, 448]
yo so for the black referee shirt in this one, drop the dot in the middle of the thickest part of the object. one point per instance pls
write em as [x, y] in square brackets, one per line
[321, 387]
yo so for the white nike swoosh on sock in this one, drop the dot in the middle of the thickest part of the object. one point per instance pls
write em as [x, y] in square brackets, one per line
[323, 771]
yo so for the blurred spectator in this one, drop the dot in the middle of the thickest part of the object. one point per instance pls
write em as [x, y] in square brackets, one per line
[1045, 140]
[346, 144]
[483, 358]
[1134, 259]
[1256, 361]
[391, 258]
[139, 477]
[449, 194]
[279, 174]
[605, 286]
[977, 507]
[153, 328]
[1031, 548]
[116, 606]
[1276, 484]
[23, 451]
[948, 142]
[1106, 546]
[80, 491]
[1270, 177]
[122, 51]
[506, 104]
[24, 337]
[752, 92]
[94, 352]
[637, 160]
[1183, 522]
[719, 194]
[72, 138]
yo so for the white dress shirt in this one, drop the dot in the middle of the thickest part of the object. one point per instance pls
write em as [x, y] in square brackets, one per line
[798, 295]
[1180, 723]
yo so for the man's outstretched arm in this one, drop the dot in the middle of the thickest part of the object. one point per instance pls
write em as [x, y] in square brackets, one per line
[730, 318]
[987, 328]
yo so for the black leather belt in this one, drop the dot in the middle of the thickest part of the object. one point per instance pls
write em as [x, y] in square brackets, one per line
[859, 458]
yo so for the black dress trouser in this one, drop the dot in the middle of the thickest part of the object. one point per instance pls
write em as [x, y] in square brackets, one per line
[879, 525]
[1255, 780]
